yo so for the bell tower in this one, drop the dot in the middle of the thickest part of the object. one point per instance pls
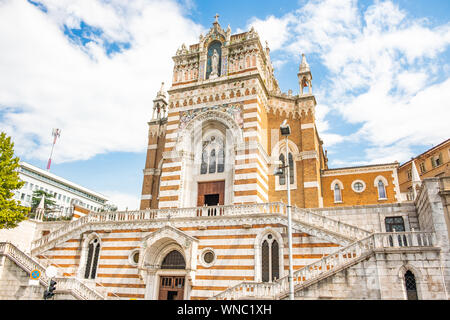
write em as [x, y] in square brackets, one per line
[305, 77]
[155, 149]
[160, 105]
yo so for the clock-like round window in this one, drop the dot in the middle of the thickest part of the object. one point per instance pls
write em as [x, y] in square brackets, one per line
[136, 257]
[358, 186]
[133, 258]
[208, 257]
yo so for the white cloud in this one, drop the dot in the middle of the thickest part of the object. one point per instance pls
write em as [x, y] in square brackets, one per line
[100, 102]
[273, 30]
[383, 73]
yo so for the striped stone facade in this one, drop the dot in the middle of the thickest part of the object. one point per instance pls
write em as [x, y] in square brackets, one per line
[235, 241]
[244, 102]
[228, 251]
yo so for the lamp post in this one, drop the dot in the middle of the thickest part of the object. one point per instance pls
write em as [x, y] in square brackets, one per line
[285, 131]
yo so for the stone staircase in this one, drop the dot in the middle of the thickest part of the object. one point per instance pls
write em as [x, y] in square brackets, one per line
[72, 286]
[303, 220]
[326, 267]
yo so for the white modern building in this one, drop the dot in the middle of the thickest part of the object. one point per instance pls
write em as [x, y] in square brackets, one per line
[66, 193]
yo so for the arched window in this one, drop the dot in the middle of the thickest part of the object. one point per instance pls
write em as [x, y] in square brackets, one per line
[410, 284]
[291, 169]
[282, 177]
[270, 262]
[212, 162]
[337, 193]
[174, 260]
[204, 165]
[221, 161]
[213, 156]
[381, 190]
[92, 259]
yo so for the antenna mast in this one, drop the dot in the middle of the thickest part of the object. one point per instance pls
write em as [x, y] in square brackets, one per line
[55, 133]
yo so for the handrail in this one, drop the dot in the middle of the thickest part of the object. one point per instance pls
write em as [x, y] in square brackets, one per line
[29, 264]
[305, 216]
[337, 260]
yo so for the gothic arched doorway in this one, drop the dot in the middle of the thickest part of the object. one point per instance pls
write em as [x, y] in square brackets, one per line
[171, 287]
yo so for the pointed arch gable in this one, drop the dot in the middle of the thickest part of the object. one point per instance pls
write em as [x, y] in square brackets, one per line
[339, 182]
[157, 244]
[281, 147]
[89, 256]
[210, 115]
[378, 178]
[258, 245]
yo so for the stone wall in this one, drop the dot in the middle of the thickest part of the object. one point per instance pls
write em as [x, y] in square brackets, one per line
[381, 276]
[432, 217]
[14, 284]
[27, 231]
[372, 218]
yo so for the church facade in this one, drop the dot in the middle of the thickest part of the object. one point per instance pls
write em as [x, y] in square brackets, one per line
[213, 219]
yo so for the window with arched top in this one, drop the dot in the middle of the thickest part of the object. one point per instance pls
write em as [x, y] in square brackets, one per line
[213, 156]
[282, 178]
[212, 161]
[410, 286]
[204, 165]
[337, 193]
[92, 259]
[270, 259]
[381, 190]
[173, 260]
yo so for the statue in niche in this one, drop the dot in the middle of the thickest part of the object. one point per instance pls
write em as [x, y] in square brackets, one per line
[214, 65]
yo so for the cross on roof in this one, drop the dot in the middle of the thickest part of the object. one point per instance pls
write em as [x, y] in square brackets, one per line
[217, 18]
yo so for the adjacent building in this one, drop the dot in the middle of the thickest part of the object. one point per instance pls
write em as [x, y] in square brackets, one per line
[434, 162]
[66, 193]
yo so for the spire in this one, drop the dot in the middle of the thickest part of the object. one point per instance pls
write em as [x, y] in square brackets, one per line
[304, 76]
[267, 49]
[40, 210]
[42, 203]
[304, 66]
[161, 92]
[416, 181]
[160, 104]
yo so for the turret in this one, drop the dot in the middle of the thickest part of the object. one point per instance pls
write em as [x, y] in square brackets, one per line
[304, 76]
[160, 109]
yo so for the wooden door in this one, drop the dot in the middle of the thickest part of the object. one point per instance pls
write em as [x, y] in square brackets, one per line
[171, 288]
[210, 188]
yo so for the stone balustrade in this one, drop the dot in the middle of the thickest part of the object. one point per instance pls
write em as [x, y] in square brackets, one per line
[330, 264]
[305, 216]
[323, 222]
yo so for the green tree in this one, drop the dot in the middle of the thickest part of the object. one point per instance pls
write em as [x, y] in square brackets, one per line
[11, 212]
[49, 203]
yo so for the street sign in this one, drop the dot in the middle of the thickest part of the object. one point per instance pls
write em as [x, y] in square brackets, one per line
[34, 278]
[35, 274]
[32, 282]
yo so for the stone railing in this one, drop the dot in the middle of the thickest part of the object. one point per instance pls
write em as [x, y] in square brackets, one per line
[302, 215]
[319, 221]
[27, 263]
[77, 289]
[328, 265]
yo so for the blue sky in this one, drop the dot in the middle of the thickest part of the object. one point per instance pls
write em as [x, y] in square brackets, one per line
[92, 68]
